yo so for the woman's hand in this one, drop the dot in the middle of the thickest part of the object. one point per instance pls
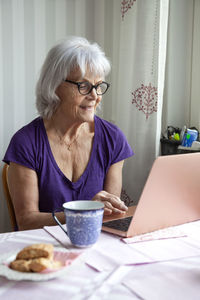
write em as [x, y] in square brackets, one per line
[112, 203]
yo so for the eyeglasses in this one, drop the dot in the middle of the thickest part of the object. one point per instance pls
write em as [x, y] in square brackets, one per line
[86, 87]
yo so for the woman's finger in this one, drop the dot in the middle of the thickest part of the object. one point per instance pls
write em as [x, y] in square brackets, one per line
[107, 211]
[108, 208]
[108, 205]
[118, 203]
[118, 211]
[111, 202]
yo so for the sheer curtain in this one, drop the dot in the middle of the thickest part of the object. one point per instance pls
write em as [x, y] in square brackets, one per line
[137, 35]
[138, 51]
[27, 30]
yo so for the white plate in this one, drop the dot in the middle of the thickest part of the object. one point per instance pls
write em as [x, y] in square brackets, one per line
[10, 274]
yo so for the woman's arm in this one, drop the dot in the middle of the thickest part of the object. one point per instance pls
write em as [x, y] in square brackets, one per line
[23, 187]
[110, 196]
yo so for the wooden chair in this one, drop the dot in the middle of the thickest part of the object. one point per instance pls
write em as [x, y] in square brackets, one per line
[10, 206]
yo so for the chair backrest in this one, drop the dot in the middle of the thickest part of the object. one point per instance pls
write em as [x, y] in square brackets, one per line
[8, 197]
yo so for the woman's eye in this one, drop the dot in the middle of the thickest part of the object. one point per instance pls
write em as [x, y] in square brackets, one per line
[84, 85]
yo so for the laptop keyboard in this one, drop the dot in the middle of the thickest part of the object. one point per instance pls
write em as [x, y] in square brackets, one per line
[120, 224]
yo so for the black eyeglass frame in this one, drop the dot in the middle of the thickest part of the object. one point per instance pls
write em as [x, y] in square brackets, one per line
[92, 86]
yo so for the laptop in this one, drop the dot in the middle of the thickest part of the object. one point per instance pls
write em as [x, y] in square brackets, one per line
[171, 196]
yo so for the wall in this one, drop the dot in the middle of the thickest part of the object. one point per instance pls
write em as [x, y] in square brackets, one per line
[181, 99]
[195, 73]
[176, 106]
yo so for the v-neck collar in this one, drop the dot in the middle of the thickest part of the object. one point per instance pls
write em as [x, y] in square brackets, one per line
[77, 183]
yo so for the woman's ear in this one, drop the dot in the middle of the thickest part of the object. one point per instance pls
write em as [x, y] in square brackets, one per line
[98, 101]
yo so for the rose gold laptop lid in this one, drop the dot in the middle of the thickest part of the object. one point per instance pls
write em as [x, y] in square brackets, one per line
[171, 195]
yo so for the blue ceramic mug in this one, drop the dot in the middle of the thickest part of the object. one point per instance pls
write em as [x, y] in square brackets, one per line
[83, 221]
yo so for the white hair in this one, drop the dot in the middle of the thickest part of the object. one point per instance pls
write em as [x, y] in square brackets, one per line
[60, 61]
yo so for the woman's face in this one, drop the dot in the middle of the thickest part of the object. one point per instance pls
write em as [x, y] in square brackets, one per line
[73, 105]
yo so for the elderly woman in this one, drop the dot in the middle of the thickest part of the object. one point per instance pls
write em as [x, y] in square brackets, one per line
[67, 153]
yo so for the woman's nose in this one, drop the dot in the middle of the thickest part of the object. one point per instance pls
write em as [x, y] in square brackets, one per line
[93, 94]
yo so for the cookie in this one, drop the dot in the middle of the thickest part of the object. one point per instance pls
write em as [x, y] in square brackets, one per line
[40, 264]
[20, 265]
[35, 258]
[36, 251]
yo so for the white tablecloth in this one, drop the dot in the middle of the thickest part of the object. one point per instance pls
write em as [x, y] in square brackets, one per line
[164, 269]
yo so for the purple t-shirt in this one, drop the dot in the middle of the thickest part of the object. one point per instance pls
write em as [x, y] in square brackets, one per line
[30, 147]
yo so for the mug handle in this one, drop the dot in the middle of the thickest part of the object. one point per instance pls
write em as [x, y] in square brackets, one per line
[58, 222]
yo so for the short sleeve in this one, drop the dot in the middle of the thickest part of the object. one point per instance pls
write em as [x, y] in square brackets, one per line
[122, 149]
[113, 144]
[21, 150]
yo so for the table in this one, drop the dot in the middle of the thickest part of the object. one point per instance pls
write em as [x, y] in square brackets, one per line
[165, 267]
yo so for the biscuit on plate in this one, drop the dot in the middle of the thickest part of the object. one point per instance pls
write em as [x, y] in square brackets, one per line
[20, 265]
[35, 258]
[36, 251]
[40, 264]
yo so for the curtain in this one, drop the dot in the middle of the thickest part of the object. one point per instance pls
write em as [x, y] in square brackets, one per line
[28, 29]
[138, 51]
